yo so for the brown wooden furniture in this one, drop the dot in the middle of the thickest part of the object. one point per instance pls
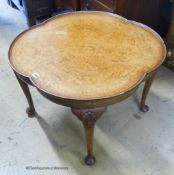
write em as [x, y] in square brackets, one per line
[151, 13]
[71, 5]
[33, 9]
[75, 62]
[169, 62]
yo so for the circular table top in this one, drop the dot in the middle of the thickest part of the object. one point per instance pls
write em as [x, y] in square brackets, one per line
[87, 55]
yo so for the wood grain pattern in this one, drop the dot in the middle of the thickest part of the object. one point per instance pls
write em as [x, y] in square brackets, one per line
[87, 55]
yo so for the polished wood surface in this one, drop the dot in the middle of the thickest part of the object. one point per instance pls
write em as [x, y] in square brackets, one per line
[87, 55]
[169, 61]
[149, 12]
[31, 109]
[153, 13]
[89, 117]
[68, 4]
[33, 9]
[87, 61]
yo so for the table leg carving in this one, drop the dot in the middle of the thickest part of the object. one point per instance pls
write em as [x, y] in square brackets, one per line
[147, 86]
[88, 118]
[30, 110]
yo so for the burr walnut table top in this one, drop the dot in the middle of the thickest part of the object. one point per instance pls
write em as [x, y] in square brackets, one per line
[87, 55]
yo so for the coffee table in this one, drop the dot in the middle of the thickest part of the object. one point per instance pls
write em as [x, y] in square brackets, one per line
[87, 61]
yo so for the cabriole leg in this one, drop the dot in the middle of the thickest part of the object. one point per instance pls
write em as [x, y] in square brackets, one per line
[147, 86]
[88, 118]
[30, 110]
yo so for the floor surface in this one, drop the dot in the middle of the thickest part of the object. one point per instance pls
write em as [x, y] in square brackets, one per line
[127, 142]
